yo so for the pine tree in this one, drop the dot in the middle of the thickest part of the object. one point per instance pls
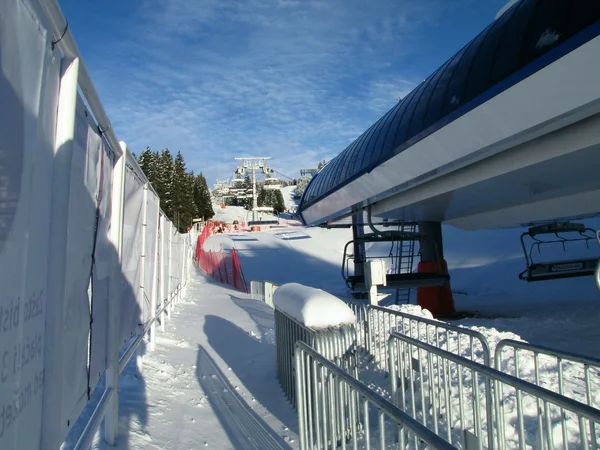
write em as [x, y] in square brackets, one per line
[181, 196]
[201, 197]
[165, 179]
[247, 201]
[278, 202]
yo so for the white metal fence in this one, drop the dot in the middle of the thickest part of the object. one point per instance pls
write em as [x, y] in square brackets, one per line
[263, 291]
[546, 367]
[335, 343]
[88, 262]
[335, 410]
[449, 394]
[376, 323]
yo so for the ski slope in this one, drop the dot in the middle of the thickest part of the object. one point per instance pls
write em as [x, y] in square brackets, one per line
[211, 383]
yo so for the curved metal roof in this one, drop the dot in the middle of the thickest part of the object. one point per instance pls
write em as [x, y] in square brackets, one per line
[529, 36]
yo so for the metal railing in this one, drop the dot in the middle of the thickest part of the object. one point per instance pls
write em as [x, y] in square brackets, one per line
[93, 424]
[337, 344]
[449, 393]
[529, 362]
[263, 291]
[336, 410]
[377, 323]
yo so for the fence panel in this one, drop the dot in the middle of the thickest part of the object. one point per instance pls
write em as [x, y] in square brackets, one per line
[448, 393]
[130, 303]
[223, 266]
[379, 322]
[569, 374]
[335, 409]
[29, 79]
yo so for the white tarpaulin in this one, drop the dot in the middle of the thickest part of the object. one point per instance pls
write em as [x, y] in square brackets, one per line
[175, 259]
[84, 190]
[166, 255]
[151, 260]
[29, 75]
[130, 305]
[104, 257]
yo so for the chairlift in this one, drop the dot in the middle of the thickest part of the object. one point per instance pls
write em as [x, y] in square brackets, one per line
[266, 216]
[272, 183]
[398, 280]
[563, 234]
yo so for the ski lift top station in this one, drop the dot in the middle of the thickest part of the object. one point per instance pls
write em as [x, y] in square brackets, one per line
[503, 134]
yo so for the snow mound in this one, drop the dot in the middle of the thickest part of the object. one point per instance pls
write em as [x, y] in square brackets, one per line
[312, 307]
[413, 310]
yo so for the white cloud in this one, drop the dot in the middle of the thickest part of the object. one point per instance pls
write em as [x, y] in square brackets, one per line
[295, 80]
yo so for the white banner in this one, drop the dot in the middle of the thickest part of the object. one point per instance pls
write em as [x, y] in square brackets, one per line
[29, 75]
[150, 252]
[84, 189]
[130, 306]
[104, 257]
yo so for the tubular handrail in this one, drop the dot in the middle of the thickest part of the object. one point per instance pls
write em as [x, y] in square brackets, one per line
[92, 426]
[564, 355]
[445, 325]
[400, 417]
[537, 391]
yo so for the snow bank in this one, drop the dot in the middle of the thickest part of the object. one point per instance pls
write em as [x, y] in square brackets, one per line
[312, 307]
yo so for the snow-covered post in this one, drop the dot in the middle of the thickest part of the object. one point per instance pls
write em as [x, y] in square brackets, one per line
[163, 285]
[155, 285]
[52, 413]
[111, 418]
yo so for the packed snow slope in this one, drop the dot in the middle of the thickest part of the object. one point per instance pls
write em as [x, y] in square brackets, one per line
[288, 197]
[484, 268]
[211, 382]
[309, 256]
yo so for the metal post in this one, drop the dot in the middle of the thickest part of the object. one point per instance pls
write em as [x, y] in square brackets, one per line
[254, 199]
[53, 428]
[163, 285]
[183, 257]
[154, 295]
[139, 357]
[358, 231]
[111, 419]
[170, 269]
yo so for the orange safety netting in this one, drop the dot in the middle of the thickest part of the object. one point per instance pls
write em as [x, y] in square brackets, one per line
[224, 266]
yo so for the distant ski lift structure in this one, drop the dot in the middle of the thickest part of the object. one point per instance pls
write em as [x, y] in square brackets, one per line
[272, 183]
[561, 235]
[265, 215]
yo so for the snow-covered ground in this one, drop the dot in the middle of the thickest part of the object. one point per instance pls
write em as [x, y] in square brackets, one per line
[212, 380]
[291, 203]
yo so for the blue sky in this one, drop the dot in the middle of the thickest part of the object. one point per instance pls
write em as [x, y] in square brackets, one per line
[297, 80]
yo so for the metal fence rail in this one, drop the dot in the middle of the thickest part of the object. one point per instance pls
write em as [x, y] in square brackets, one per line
[528, 362]
[263, 291]
[449, 394]
[336, 410]
[337, 344]
[376, 323]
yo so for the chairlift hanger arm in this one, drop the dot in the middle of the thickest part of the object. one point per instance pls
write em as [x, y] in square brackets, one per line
[396, 235]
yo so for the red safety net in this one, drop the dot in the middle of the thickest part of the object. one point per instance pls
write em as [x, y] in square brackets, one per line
[224, 266]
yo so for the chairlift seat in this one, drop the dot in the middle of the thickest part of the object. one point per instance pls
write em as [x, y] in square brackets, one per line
[559, 269]
[554, 270]
[262, 222]
[403, 280]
